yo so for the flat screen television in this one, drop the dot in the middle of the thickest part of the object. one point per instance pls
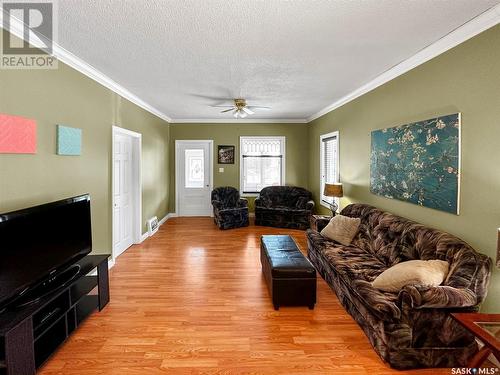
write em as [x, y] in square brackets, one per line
[39, 242]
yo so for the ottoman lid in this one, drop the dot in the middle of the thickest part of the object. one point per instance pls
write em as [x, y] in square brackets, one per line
[285, 259]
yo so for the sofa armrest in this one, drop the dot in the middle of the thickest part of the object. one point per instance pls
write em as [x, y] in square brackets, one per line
[310, 205]
[217, 204]
[258, 202]
[421, 297]
[242, 203]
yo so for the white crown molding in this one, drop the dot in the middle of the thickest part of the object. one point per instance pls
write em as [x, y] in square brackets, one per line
[475, 26]
[238, 121]
[17, 27]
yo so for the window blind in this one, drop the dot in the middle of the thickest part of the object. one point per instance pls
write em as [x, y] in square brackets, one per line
[262, 163]
[329, 148]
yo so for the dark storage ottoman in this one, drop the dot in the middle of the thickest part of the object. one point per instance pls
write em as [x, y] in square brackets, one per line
[289, 275]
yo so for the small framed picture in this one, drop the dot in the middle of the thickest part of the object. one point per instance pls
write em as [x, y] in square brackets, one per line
[225, 154]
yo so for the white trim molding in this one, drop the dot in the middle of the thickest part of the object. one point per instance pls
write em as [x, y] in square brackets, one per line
[136, 183]
[282, 140]
[322, 137]
[239, 121]
[63, 55]
[475, 26]
[168, 216]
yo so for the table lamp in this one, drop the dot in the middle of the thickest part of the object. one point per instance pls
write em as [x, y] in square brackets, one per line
[335, 191]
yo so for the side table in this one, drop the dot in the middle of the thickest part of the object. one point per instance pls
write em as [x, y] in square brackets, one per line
[318, 222]
[486, 327]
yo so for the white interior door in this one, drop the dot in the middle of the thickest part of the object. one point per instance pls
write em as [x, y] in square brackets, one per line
[122, 193]
[194, 178]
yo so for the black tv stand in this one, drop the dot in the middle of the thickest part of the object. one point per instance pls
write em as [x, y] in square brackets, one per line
[52, 284]
[33, 330]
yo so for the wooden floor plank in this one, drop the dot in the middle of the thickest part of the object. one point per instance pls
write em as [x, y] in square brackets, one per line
[192, 300]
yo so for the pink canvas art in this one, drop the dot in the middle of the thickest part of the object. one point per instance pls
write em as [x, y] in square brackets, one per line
[17, 135]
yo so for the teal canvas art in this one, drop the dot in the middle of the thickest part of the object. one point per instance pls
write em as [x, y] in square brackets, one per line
[419, 163]
[69, 140]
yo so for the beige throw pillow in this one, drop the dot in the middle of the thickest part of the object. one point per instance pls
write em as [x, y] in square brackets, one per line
[413, 272]
[341, 229]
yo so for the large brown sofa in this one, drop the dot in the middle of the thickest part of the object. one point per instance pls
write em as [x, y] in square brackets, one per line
[412, 328]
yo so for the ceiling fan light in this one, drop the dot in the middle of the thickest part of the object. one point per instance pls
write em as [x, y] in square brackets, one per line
[247, 111]
[235, 113]
[243, 114]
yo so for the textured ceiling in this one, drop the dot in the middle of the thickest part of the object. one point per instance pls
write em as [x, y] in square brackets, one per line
[295, 56]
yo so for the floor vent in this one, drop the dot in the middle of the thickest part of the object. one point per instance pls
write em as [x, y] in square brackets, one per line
[153, 225]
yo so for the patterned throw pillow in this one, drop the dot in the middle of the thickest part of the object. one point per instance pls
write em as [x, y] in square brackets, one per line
[342, 229]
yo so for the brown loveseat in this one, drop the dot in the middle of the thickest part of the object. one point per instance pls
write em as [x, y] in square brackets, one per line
[284, 207]
[412, 328]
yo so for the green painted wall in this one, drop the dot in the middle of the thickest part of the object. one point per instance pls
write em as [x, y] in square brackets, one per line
[465, 79]
[155, 156]
[228, 134]
[65, 96]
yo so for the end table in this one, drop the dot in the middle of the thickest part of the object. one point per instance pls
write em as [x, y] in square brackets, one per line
[318, 222]
[486, 327]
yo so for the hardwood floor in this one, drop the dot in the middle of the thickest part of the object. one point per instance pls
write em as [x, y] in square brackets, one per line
[192, 300]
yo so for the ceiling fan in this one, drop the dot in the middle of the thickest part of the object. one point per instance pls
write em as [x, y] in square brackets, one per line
[241, 109]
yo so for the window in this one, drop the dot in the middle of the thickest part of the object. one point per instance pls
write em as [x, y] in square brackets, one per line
[194, 172]
[262, 163]
[329, 163]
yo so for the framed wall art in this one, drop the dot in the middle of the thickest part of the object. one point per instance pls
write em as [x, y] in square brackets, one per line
[225, 154]
[419, 163]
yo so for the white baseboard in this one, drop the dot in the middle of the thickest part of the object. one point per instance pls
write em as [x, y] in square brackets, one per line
[167, 217]
[160, 223]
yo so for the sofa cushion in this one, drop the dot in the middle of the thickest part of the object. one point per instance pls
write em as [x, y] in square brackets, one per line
[283, 196]
[356, 269]
[341, 229]
[413, 272]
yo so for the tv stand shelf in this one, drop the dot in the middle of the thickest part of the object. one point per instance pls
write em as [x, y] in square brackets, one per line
[31, 333]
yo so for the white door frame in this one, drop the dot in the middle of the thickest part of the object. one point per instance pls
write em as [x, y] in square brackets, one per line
[178, 143]
[136, 184]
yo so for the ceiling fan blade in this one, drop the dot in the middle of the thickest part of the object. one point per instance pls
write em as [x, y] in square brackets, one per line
[227, 110]
[247, 111]
[258, 107]
[235, 113]
[222, 106]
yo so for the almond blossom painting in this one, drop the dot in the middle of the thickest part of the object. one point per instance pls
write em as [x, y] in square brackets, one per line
[418, 163]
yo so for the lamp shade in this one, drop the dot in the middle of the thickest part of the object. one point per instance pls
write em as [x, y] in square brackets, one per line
[333, 190]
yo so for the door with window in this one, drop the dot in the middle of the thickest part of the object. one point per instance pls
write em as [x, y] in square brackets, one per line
[194, 178]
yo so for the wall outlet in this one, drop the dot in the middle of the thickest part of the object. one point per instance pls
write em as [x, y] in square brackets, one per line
[221, 170]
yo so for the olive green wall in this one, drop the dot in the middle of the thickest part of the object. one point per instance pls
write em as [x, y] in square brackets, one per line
[65, 96]
[229, 134]
[155, 166]
[465, 79]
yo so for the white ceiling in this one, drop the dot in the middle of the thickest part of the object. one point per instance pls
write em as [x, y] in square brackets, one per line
[298, 56]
